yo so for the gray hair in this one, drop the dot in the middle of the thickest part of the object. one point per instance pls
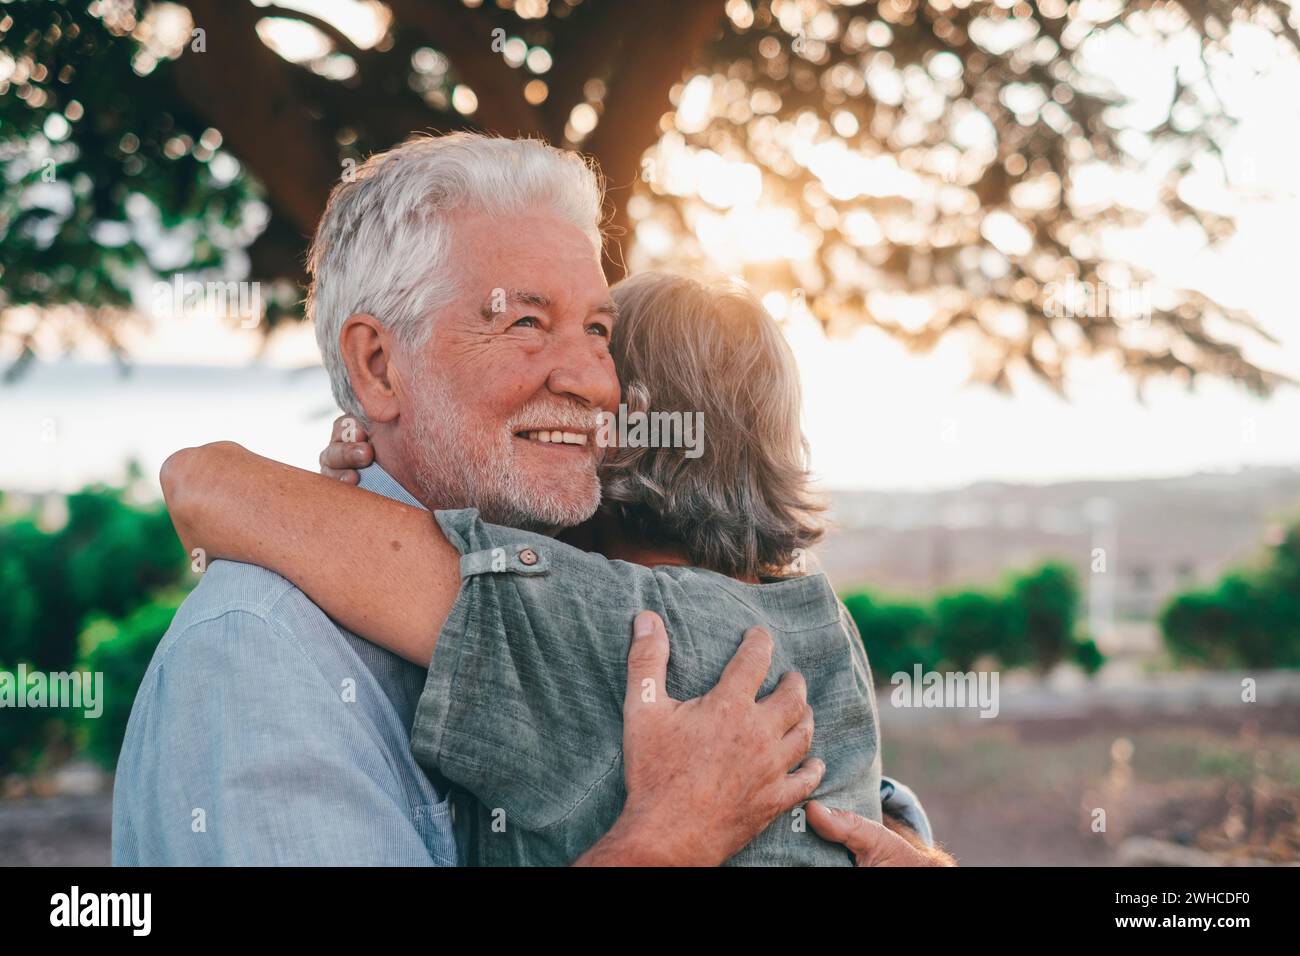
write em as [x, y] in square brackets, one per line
[744, 507]
[383, 246]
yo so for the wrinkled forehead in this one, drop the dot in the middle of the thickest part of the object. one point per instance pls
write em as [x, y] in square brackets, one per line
[522, 235]
[536, 259]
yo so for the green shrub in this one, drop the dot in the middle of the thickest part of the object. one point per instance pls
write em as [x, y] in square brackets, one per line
[969, 625]
[1043, 604]
[1249, 619]
[896, 635]
[1029, 622]
[1089, 656]
[109, 558]
[121, 650]
[26, 732]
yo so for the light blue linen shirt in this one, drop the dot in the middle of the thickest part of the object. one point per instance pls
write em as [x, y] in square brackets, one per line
[265, 734]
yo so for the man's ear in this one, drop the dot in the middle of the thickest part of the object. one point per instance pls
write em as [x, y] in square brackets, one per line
[368, 353]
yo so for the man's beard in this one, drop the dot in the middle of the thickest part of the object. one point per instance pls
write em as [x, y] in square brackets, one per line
[457, 465]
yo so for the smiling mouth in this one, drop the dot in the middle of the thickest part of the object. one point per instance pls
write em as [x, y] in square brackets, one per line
[554, 436]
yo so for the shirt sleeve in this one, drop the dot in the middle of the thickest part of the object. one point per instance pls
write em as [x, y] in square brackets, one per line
[240, 752]
[901, 802]
[523, 701]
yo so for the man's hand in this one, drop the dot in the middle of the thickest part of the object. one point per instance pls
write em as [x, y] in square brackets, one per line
[872, 843]
[706, 776]
[349, 451]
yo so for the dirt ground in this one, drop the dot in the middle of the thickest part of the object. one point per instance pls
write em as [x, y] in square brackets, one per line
[1026, 792]
[56, 831]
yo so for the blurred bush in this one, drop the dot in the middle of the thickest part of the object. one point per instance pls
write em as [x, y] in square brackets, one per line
[1029, 622]
[1251, 618]
[109, 559]
[970, 624]
[1042, 606]
[896, 634]
[121, 651]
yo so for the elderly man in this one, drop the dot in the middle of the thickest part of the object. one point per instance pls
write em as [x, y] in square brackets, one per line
[263, 733]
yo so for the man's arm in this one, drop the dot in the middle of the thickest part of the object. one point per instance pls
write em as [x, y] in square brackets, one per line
[706, 776]
[241, 752]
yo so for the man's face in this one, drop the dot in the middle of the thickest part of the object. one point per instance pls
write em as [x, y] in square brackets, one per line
[504, 398]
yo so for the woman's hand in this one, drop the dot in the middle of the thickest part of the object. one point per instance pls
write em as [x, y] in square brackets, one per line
[349, 451]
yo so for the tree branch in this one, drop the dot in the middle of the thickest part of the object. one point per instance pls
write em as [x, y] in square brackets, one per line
[586, 50]
[464, 35]
[667, 42]
[342, 42]
[244, 89]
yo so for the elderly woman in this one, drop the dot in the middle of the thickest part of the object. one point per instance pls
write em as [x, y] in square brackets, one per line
[525, 637]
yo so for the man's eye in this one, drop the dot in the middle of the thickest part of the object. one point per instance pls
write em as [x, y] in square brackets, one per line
[532, 320]
[598, 328]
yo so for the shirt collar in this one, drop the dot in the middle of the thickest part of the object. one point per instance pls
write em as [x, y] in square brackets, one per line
[375, 479]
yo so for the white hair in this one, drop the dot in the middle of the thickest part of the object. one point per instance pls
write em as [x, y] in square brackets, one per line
[383, 246]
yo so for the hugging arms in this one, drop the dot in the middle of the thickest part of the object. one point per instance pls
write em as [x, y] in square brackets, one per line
[384, 569]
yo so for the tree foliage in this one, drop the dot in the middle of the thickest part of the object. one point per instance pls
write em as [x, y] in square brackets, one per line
[911, 163]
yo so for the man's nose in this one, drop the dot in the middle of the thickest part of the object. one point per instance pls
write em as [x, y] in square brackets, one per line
[584, 371]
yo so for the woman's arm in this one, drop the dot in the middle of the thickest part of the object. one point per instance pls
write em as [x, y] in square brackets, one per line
[380, 568]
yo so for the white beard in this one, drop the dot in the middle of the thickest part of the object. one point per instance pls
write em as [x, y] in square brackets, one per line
[460, 466]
